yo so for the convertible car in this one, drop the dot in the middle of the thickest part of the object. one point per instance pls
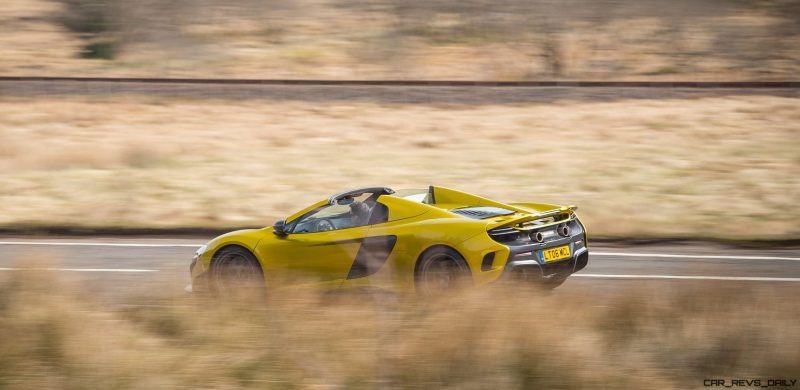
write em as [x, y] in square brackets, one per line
[421, 241]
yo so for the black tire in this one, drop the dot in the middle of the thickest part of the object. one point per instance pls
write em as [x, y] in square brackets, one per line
[236, 272]
[439, 270]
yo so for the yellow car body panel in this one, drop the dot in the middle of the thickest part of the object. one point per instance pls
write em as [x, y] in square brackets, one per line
[318, 257]
[245, 238]
[385, 253]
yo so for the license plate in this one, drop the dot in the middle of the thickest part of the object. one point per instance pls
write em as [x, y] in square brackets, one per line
[554, 254]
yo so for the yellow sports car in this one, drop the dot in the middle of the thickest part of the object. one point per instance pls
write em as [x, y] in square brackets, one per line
[406, 240]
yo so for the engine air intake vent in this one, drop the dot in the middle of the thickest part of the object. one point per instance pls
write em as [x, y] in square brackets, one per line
[481, 212]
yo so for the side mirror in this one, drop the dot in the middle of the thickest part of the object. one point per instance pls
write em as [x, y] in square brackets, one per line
[278, 228]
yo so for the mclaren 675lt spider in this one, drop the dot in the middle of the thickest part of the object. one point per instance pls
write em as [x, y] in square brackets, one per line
[407, 240]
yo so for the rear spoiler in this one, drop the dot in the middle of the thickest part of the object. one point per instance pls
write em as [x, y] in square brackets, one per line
[569, 210]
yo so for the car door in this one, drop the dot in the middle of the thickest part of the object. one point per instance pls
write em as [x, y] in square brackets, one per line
[316, 257]
[310, 253]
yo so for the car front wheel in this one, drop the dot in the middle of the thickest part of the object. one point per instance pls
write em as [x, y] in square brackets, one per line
[235, 271]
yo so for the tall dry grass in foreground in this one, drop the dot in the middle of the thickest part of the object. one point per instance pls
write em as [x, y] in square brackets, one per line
[56, 335]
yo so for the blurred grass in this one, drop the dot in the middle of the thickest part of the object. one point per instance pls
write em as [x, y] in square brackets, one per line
[57, 335]
[410, 39]
[719, 167]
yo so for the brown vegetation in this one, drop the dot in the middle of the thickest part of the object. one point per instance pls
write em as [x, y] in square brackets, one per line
[712, 167]
[416, 39]
[58, 336]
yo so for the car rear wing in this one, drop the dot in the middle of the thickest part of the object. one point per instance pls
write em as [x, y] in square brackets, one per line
[529, 221]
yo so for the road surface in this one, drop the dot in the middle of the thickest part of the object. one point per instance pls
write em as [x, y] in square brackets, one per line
[118, 267]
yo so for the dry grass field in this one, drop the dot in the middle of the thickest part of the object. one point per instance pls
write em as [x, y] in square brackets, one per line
[56, 335]
[410, 39]
[724, 167]
[717, 164]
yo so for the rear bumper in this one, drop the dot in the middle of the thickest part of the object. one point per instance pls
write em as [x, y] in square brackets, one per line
[533, 270]
[525, 261]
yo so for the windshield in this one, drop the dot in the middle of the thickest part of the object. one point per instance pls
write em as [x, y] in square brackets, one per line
[351, 211]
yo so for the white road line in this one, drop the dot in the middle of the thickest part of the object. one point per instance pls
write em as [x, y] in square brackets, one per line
[113, 244]
[735, 278]
[81, 269]
[673, 256]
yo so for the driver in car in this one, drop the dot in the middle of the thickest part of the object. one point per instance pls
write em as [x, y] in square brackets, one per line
[359, 213]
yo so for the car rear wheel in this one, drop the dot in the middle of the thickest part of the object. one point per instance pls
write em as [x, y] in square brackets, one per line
[236, 272]
[441, 269]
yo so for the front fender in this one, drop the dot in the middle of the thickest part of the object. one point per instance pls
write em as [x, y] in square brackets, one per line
[248, 239]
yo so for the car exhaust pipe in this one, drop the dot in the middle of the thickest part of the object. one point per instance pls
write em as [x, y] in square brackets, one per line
[537, 237]
[563, 230]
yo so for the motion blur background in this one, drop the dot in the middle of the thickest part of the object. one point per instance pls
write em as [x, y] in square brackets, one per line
[640, 163]
[664, 163]
[417, 39]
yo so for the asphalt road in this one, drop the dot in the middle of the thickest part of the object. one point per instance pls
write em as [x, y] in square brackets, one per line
[117, 267]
